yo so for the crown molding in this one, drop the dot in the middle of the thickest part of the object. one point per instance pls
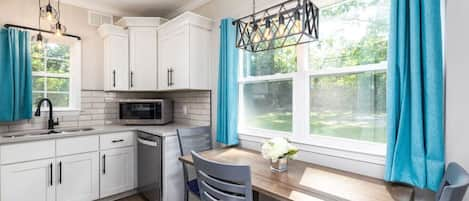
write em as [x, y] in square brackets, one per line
[99, 8]
[187, 7]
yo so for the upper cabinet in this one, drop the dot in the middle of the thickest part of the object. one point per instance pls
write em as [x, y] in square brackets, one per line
[116, 59]
[143, 54]
[184, 53]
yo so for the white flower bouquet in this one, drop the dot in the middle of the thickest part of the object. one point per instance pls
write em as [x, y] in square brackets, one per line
[278, 148]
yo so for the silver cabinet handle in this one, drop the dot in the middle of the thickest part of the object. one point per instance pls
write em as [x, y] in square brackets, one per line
[167, 78]
[147, 142]
[171, 77]
[116, 141]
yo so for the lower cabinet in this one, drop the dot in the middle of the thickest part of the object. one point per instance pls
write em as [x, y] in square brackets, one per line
[78, 177]
[117, 169]
[28, 181]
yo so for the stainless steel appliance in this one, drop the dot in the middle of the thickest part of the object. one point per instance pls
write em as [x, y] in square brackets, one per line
[149, 166]
[145, 111]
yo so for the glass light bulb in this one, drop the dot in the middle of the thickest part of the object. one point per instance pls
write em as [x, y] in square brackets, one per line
[40, 45]
[49, 16]
[58, 32]
[281, 30]
[257, 37]
[268, 34]
[297, 26]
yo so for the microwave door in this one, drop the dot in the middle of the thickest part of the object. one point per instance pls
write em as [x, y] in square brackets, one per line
[150, 111]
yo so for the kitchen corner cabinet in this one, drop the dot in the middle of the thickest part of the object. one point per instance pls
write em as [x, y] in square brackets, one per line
[28, 181]
[184, 53]
[116, 57]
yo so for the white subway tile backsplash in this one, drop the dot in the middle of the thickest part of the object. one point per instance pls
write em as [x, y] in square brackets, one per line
[99, 108]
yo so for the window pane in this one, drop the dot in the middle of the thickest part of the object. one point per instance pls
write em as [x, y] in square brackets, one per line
[353, 33]
[349, 106]
[59, 100]
[37, 64]
[36, 51]
[38, 83]
[58, 84]
[269, 62]
[57, 66]
[268, 105]
[58, 51]
[36, 97]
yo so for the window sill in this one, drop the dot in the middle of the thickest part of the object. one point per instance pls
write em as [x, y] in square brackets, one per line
[368, 152]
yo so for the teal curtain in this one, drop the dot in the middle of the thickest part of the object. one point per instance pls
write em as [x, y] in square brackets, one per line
[415, 132]
[15, 75]
[227, 115]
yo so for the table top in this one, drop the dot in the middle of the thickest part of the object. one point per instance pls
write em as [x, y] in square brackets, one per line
[306, 181]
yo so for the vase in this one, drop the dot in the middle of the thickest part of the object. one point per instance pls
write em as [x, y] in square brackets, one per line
[281, 165]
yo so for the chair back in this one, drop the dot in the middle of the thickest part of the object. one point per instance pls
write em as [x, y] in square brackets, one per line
[454, 184]
[219, 181]
[194, 139]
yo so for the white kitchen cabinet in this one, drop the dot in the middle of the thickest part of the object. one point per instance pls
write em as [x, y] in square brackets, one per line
[116, 57]
[117, 170]
[78, 177]
[143, 58]
[28, 181]
[184, 53]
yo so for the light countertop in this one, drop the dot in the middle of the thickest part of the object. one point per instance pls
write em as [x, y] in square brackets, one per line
[162, 130]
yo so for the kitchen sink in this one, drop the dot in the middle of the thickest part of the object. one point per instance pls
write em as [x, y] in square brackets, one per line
[47, 132]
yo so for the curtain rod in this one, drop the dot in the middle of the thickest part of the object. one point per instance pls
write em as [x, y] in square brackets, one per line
[41, 30]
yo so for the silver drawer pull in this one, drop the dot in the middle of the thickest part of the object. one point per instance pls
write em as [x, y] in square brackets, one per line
[116, 141]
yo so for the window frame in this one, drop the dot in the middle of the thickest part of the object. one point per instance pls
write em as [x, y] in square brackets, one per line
[348, 148]
[74, 74]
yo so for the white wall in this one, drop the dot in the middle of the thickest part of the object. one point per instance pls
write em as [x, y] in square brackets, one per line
[457, 82]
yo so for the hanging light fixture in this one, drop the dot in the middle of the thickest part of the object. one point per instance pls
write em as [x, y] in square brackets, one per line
[292, 22]
[40, 40]
[58, 28]
[48, 12]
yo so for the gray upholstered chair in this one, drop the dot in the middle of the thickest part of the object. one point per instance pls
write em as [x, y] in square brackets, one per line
[193, 139]
[225, 182]
[454, 184]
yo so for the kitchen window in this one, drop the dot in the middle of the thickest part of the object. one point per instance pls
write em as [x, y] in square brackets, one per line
[56, 72]
[331, 92]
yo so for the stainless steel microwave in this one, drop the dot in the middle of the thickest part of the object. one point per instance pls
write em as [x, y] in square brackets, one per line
[145, 111]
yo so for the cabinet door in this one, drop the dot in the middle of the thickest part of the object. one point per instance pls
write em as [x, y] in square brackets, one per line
[143, 58]
[116, 54]
[78, 177]
[28, 181]
[173, 69]
[117, 171]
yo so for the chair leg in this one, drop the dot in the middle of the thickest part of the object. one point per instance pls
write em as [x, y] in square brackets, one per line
[186, 194]
[255, 196]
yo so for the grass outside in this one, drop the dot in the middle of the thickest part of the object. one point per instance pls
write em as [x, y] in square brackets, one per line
[369, 127]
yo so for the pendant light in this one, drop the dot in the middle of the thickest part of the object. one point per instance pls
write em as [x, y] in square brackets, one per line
[48, 12]
[40, 40]
[58, 28]
[289, 23]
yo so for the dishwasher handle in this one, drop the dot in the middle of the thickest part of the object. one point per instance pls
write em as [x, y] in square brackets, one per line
[147, 142]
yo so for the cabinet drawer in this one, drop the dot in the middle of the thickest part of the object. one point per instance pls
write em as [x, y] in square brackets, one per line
[12, 153]
[77, 145]
[116, 140]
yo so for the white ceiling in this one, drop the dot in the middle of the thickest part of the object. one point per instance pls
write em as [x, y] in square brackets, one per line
[155, 8]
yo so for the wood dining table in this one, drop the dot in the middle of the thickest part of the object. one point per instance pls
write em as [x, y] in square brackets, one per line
[307, 182]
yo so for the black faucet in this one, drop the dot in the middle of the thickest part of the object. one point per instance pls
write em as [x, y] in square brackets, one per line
[51, 123]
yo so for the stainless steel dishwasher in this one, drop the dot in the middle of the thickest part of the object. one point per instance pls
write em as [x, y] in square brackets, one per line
[149, 166]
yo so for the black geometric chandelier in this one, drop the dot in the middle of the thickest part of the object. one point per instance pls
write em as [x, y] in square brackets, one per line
[290, 23]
